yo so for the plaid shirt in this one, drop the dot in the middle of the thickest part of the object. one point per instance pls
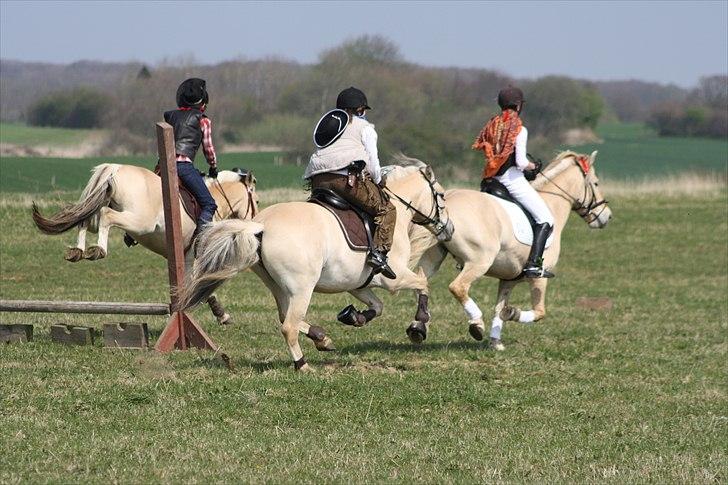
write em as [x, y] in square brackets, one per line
[207, 148]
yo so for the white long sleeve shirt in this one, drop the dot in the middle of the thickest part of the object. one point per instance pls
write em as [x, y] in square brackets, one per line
[521, 150]
[369, 139]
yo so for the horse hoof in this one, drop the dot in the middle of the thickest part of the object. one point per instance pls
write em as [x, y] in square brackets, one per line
[74, 255]
[417, 332]
[476, 330]
[496, 344]
[225, 319]
[510, 314]
[305, 369]
[325, 345]
[94, 252]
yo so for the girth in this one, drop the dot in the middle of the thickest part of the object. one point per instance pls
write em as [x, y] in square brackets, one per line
[495, 188]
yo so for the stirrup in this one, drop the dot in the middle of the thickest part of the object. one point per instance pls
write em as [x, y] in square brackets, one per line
[536, 272]
[129, 241]
[378, 262]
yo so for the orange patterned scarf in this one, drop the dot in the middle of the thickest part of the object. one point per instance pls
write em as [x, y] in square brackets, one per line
[497, 139]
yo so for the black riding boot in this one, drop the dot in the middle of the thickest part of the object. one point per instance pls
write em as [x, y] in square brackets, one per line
[378, 260]
[534, 265]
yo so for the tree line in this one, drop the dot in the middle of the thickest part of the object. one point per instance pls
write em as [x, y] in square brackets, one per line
[430, 113]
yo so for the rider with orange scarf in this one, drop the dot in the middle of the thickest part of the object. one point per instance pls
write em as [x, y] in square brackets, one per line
[503, 141]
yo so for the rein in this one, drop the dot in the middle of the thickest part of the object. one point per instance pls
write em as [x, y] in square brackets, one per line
[580, 206]
[434, 218]
[250, 209]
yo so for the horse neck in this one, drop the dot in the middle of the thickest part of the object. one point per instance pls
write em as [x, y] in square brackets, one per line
[225, 197]
[558, 202]
[411, 191]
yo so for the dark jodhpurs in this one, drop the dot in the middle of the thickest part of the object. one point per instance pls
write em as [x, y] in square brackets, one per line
[194, 182]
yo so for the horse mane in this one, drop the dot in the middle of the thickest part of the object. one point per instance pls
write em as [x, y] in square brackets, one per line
[560, 163]
[224, 176]
[402, 166]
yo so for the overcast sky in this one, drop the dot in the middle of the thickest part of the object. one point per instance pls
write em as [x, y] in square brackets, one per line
[668, 42]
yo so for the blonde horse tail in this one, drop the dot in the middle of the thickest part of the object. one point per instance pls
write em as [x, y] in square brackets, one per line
[223, 249]
[95, 195]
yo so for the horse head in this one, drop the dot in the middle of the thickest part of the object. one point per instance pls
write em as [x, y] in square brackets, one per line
[417, 188]
[574, 176]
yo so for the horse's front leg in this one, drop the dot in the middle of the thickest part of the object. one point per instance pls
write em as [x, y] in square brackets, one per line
[538, 304]
[351, 316]
[501, 306]
[223, 317]
[75, 254]
[429, 262]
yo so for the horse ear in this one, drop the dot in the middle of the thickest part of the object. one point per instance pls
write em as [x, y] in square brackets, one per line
[429, 172]
[593, 157]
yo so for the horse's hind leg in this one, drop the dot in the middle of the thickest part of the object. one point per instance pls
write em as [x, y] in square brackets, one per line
[297, 308]
[75, 254]
[109, 218]
[460, 289]
[496, 326]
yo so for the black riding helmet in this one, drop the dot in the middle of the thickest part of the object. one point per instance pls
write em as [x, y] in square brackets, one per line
[351, 98]
[192, 93]
[510, 97]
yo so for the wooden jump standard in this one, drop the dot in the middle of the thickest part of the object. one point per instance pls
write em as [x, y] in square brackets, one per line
[181, 331]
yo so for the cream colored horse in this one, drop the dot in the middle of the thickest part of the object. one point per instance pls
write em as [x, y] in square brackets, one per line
[484, 243]
[130, 198]
[297, 248]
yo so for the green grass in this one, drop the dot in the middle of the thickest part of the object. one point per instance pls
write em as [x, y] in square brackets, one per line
[634, 394]
[20, 134]
[39, 175]
[631, 150]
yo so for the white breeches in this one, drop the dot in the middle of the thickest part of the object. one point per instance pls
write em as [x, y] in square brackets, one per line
[522, 191]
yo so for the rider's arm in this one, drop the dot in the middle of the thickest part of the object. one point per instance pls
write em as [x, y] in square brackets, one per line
[369, 139]
[207, 148]
[521, 142]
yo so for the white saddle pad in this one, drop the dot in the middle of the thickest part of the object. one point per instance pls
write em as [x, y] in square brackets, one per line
[521, 227]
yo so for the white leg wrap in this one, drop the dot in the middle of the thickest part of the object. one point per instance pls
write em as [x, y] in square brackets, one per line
[472, 310]
[527, 317]
[495, 327]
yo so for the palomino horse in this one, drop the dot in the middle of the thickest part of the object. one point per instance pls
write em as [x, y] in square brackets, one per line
[130, 198]
[484, 243]
[297, 248]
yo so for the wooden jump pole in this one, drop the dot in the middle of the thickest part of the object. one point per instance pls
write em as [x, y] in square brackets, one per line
[93, 307]
[181, 331]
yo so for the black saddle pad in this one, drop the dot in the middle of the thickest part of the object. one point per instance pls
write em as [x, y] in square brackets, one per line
[495, 188]
[352, 222]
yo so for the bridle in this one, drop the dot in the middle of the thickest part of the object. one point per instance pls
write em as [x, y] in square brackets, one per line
[434, 218]
[582, 207]
[250, 209]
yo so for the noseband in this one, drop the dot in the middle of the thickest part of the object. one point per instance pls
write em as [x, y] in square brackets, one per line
[434, 218]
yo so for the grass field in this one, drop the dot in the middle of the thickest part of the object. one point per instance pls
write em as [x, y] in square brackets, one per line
[20, 134]
[634, 394]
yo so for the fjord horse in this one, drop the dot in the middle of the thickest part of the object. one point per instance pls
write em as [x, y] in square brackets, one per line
[130, 198]
[484, 243]
[298, 248]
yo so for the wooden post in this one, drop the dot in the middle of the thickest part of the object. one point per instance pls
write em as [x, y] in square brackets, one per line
[181, 331]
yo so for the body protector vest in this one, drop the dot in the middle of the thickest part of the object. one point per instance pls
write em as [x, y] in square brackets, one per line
[342, 153]
[187, 130]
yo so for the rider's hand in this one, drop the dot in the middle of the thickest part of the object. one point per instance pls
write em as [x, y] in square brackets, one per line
[212, 173]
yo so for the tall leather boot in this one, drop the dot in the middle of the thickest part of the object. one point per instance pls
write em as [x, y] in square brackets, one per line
[534, 265]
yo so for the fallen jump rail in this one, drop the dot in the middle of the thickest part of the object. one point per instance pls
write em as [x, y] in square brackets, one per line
[93, 307]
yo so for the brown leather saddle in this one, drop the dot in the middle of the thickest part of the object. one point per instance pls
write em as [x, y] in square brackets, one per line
[190, 204]
[356, 224]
